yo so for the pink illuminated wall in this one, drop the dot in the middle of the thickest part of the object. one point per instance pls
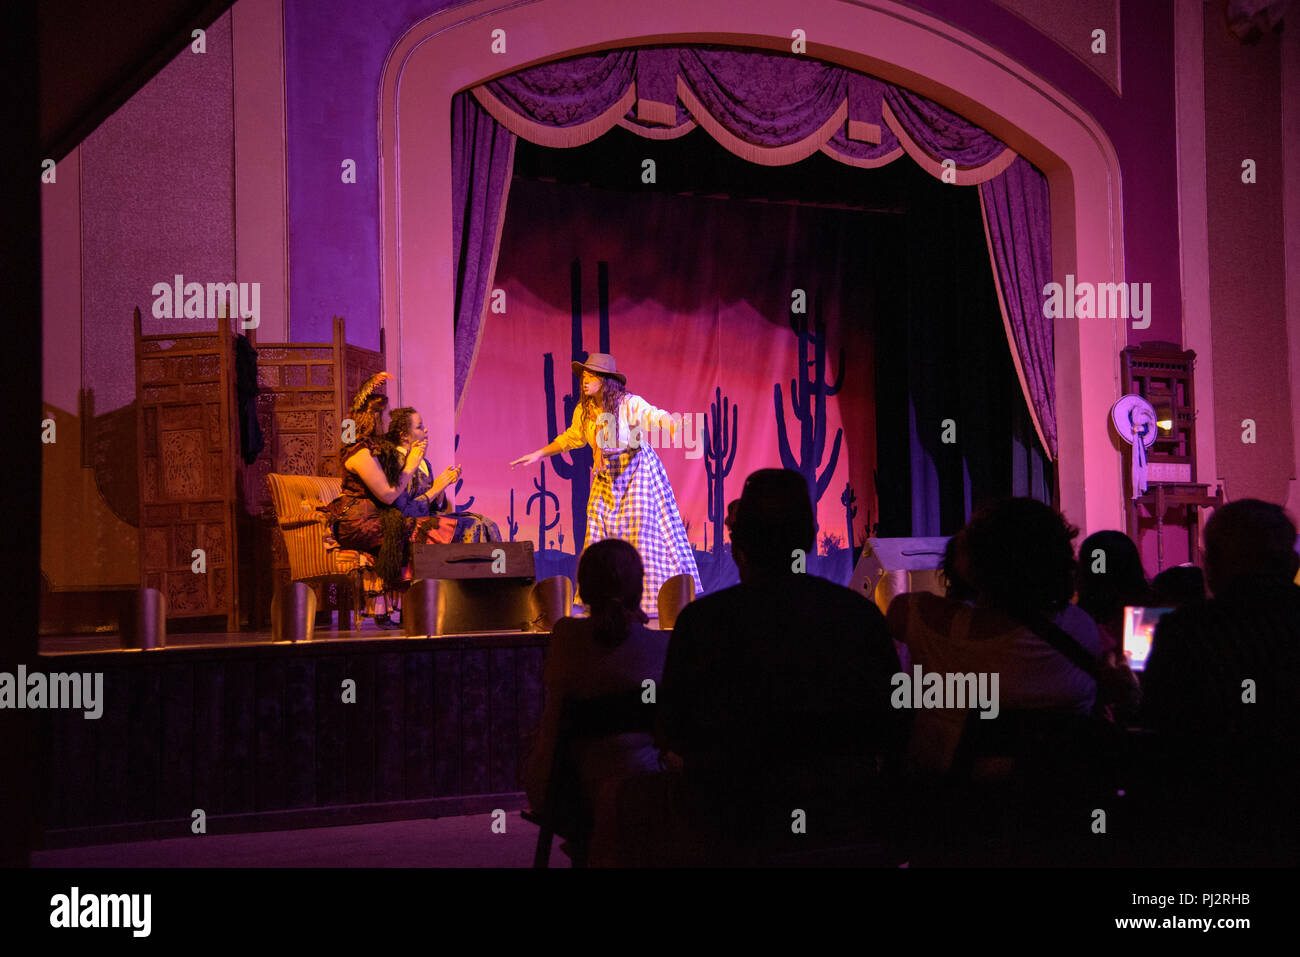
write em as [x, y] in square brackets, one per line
[1073, 26]
[1252, 376]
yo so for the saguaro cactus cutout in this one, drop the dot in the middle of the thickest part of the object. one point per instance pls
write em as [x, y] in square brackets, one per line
[808, 396]
[577, 469]
[460, 506]
[847, 498]
[719, 456]
[510, 519]
[540, 497]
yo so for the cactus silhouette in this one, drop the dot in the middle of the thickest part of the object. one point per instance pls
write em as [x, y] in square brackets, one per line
[540, 497]
[847, 498]
[460, 507]
[719, 456]
[577, 469]
[510, 519]
[808, 395]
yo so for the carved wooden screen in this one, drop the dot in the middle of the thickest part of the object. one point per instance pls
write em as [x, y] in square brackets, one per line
[189, 442]
[306, 389]
[358, 365]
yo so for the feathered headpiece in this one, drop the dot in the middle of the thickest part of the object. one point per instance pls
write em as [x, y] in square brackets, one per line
[367, 388]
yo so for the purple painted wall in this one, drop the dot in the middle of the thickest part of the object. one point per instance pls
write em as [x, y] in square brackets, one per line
[334, 55]
[335, 51]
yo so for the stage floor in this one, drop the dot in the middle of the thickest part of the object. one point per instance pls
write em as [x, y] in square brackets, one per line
[54, 645]
[459, 841]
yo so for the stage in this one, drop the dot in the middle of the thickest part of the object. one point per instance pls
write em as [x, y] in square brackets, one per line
[271, 736]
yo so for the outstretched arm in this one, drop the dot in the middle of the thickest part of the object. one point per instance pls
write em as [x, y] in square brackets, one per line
[544, 452]
[570, 438]
[649, 417]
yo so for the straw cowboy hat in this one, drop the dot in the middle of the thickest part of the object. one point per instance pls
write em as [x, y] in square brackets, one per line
[600, 363]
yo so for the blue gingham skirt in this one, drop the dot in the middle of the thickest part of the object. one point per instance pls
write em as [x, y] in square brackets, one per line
[632, 500]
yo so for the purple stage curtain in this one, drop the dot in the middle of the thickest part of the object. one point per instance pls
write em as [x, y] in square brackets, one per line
[776, 108]
[771, 108]
[1017, 222]
[482, 161]
[764, 107]
[1018, 227]
[941, 133]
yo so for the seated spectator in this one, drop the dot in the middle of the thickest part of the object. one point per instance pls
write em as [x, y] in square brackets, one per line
[1222, 688]
[1110, 577]
[610, 652]
[1022, 627]
[955, 569]
[1178, 586]
[776, 691]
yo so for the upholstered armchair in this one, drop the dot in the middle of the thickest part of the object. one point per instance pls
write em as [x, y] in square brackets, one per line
[296, 499]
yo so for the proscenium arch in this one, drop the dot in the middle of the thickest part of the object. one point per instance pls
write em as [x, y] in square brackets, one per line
[450, 52]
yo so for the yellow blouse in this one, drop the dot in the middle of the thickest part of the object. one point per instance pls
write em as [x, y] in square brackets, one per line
[635, 417]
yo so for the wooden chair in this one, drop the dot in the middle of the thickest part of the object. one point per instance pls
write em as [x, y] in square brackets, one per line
[674, 595]
[296, 499]
[550, 600]
[563, 810]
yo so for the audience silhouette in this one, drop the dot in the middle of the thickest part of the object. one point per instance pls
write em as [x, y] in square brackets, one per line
[775, 701]
[610, 652]
[779, 732]
[1222, 690]
[1109, 578]
[1017, 559]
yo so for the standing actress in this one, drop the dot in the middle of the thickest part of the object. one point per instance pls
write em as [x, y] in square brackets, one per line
[630, 495]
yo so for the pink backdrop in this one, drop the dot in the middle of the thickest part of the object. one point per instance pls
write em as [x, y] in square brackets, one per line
[708, 309]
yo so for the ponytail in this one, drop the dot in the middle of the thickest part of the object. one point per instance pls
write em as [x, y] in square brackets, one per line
[613, 621]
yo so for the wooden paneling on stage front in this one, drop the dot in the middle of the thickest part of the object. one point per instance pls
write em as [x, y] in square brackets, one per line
[258, 736]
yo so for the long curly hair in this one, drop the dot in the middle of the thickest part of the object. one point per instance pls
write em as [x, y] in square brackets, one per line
[399, 424]
[370, 416]
[367, 412]
[607, 400]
